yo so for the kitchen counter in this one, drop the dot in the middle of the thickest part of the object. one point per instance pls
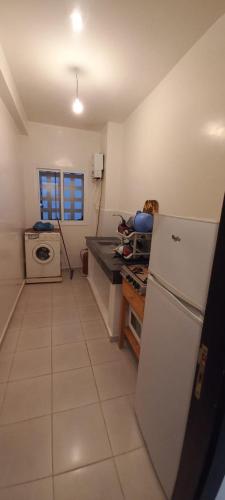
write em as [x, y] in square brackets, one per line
[105, 279]
[102, 249]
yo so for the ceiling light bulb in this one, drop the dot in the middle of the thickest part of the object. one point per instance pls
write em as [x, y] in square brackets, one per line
[78, 107]
[77, 21]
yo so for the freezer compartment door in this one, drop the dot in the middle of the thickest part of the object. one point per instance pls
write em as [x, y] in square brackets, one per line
[181, 256]
[169, 351]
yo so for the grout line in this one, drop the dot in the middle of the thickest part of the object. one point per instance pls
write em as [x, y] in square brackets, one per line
[106, 427]
[36, 417]
[67, 471]
[53, 486]
[58, 412]
[13, 485]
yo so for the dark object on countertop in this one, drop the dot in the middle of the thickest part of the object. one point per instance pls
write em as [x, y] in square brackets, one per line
[143, 222]
[84, 260]
[67, 256]
[43, 226]
[151, 207]
[103, 250]
[123, 227]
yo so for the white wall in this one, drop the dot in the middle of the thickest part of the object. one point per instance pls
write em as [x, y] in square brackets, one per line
[112, 139]
[11, 217]
[49, 146]
[113, 165]
[174, 142]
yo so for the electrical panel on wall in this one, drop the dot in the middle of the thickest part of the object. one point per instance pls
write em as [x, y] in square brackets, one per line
[98, 166]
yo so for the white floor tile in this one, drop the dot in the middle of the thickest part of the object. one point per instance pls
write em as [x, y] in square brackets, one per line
[25, 451]
[70, 356]
[102, 351]
[95, 482]
[34, 338]
[67, 333]
[36, 319]
[5, 365]
[85, 300]
[89, 313]
[16, 322]
[122, 426]
[10, 341]
[26, 399]
[63, 315]
[137, 476]
[73, 389]
[2, 392]
[117, 378]
[36, 490]
[79, 438]
[94, 329]
[32, 363]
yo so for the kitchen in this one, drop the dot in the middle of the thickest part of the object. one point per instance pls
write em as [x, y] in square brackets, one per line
[162, 136]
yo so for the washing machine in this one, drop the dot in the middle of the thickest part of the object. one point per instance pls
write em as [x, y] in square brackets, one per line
[42, 252]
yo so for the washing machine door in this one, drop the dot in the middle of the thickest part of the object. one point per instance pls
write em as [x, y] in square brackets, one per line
[43, 253]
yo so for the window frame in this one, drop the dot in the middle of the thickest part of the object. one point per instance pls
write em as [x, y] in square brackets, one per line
[63, 171]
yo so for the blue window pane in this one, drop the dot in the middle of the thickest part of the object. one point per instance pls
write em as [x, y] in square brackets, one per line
[77, 216]
[55, 215]
[50, 195]
[55, 180]
[55, 204]
[67, 204]
[55, 192]
[78, 204]
[67, 216]
[78, 182]
[66, 181]
[78, 194]
[67, 193]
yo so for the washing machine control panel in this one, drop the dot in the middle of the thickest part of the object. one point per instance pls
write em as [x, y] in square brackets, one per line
[32, 236]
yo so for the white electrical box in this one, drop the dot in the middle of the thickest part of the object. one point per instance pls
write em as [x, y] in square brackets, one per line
[98, 165]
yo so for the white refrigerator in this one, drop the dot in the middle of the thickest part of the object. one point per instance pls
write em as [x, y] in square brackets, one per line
[179, 271]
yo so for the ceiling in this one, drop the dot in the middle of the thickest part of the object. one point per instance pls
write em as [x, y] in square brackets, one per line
[125, 49]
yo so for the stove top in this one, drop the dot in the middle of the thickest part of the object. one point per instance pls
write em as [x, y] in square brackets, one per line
[137, 276]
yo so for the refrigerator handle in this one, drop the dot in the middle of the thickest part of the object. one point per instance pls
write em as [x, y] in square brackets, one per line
[202, 360]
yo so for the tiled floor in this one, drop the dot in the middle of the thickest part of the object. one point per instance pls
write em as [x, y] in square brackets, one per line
[67, 424]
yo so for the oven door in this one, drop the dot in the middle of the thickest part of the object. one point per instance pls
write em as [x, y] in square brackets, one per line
[134, 324]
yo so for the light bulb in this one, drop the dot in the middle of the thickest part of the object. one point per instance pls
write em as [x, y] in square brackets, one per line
[78, 107]
[77, 21]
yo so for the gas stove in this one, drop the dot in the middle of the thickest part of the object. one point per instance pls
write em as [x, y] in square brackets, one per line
[137, 276]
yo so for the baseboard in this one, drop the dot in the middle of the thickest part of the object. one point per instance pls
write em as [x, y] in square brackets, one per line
[53, 279]
[11, 312]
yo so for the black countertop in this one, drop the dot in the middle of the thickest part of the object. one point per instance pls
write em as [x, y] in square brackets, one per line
[102, 249]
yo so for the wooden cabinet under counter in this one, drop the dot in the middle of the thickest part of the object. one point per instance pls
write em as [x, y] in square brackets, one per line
[130, 299]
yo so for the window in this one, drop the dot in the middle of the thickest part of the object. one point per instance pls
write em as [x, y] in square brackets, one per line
[73, 189]
[61, 195]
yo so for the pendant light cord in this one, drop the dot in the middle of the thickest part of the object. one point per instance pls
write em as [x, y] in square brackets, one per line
[76, 86]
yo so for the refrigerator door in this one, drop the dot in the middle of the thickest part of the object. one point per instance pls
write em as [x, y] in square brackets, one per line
[181, 256]
[169, 351]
